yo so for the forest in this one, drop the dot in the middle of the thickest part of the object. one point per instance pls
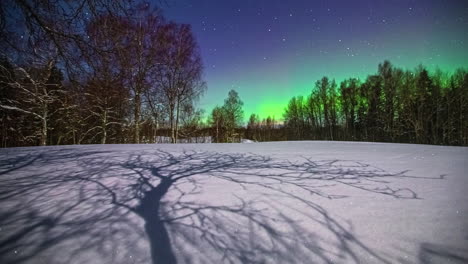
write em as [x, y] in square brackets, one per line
[111, 72]
[95, 72]
[393, 105]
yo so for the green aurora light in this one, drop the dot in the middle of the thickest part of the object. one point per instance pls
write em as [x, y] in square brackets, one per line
[270, 51]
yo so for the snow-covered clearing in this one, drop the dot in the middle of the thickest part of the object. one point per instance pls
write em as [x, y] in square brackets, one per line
[285, 202]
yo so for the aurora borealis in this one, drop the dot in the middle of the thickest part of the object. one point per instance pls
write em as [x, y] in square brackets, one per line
[271, 50]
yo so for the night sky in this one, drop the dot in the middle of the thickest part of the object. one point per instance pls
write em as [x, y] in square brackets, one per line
[271, 50]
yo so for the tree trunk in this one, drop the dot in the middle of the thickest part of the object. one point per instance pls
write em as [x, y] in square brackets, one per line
[136, 138]
[44, 126]
[104, 128]
[74, 136]
[177, 122]
[156, 130]
[171, 120]
[217, 131]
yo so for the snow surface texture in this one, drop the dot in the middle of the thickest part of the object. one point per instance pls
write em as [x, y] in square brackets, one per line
[285, 202]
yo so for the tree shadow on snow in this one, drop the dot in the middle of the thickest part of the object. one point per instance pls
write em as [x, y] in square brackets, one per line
[192, 207]
[432, 253]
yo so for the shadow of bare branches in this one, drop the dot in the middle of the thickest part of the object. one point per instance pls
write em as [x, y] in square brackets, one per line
[190, 207]
[431, 253]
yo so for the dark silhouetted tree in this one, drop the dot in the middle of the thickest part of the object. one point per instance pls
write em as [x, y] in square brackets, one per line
[233, 114]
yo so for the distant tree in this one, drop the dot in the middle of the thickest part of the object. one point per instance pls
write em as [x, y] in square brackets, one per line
[349, 103]
[294, 118]
[312, 115]
[253, 127]
[218, 122]
[269, 126]
[440, 80]
[333, 109]
[458, 108]
[190, 120]
[390, 78]
[327, 97]
[421, 106]
[372, 90]
[234, 114]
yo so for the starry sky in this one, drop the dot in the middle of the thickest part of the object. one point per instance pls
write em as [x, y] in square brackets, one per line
[271, 50]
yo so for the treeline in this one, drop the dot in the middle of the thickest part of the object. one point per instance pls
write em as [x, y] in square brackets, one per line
[87, 72]
[391, 106]
[81, 72]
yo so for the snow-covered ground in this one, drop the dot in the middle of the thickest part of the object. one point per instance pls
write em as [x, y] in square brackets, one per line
[285, 202]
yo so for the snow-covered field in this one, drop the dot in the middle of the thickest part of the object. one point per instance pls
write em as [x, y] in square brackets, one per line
[285, 202]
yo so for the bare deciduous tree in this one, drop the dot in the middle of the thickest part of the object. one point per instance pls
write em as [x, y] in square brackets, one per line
[179, 76]
[36, 93]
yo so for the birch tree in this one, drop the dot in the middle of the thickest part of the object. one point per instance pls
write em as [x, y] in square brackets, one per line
[179, 76]
[36, 93]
